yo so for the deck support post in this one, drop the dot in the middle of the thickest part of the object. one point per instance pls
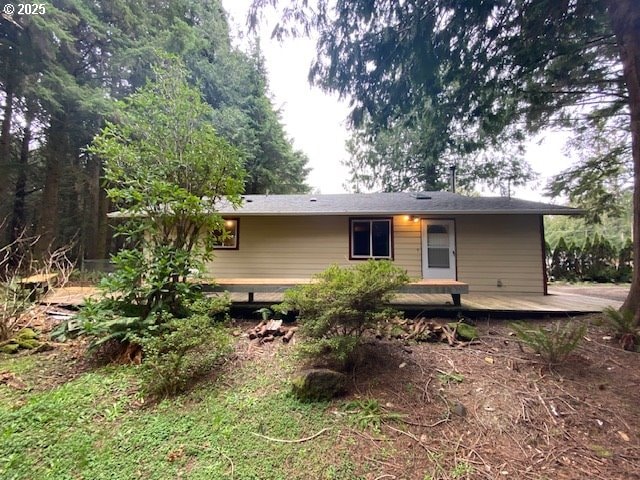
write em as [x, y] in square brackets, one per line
[456, 299]
[250, 297]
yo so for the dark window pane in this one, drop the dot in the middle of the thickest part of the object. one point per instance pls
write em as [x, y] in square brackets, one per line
[436, 229]
[361, 238]
[381, 240]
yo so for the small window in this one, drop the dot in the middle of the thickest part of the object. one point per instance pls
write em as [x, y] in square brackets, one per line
[370, 238]
[228, 238]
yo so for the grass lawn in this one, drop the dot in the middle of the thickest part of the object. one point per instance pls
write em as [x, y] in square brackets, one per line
[96, 426]
[71, 420]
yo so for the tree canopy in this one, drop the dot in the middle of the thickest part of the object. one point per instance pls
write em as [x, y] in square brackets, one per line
[60, 75]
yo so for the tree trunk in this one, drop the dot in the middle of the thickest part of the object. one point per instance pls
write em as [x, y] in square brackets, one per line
[5, 145]
[19, 214]
[625, 19]
[92, 210]
[48, 218]
[104, 237]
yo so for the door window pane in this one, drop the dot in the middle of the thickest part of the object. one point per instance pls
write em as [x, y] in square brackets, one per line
[438, 257]
[438, 246]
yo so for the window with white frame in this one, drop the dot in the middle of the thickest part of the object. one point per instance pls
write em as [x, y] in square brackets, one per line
[228, 237]
[371, 238]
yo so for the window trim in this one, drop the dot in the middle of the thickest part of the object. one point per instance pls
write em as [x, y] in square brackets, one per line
[237, 244]
[371, 219]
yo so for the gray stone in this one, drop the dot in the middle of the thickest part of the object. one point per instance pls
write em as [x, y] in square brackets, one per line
[318, 384]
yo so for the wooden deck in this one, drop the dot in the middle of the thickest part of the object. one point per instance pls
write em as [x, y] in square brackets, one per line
[556, 303]
[538, 304]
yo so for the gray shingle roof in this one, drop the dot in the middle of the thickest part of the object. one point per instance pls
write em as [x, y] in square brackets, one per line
[441, 203]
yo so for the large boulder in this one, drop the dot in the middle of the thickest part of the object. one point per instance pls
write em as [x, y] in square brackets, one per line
[318, 384]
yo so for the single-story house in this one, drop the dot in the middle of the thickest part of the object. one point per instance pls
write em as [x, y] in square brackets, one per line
[493, 244]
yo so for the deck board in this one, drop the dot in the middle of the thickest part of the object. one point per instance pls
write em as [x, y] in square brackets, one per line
[552, 304]
[555, 303]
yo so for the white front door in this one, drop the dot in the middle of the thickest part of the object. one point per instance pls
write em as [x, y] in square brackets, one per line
[438, 249]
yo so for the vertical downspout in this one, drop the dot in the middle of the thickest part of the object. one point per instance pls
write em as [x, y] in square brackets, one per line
[543, 246]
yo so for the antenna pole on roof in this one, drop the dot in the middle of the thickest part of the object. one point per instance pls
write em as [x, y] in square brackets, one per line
[452, 177]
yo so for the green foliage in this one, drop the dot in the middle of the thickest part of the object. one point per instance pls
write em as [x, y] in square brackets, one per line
[59, 73]
[553, 344]
[450, 377]
[480, 74]
[339, 349]
[600, 180]
[615, 229]
[626, 326]
[597, 260]
[404, 157]
[167, 170]
[185, 350]
[342, 303]
[368, 413]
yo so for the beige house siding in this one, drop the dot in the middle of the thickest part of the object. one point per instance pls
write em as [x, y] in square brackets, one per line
[298, 247]
[505, 248]
[489, 248]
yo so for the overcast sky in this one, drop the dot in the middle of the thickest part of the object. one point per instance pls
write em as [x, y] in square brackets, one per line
[316, 122]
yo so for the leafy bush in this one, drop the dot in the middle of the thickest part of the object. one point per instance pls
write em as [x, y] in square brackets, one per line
[553, 344]
[168, 201]
[342, 304]
[625, 325]
[185, 350]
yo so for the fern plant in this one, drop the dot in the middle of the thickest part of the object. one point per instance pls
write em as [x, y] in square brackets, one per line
[553, 344]
[368, 413]
[625, 325]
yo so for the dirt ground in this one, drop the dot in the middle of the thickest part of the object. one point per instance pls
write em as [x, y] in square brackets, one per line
[495, 410]
[520, 419]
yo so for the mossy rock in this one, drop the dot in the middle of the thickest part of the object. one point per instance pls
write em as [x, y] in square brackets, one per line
[26, 334]
[464, 331]
[10, 347]
[28, 344]
[318, 384]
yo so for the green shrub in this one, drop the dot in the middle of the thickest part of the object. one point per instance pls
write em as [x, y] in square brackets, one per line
[187, 349]
[342, 304]
[625, 326]
[553, 344]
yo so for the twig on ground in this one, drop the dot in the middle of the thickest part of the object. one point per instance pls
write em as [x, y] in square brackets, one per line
[547, 409]
[299, 440]
[412, 437]
[428, 425]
